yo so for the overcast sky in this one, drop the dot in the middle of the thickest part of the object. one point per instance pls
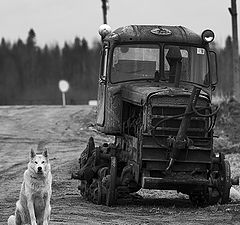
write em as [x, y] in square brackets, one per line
[56, 21]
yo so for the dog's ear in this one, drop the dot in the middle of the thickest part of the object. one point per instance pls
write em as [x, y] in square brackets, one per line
[32, 154]
[45, 152]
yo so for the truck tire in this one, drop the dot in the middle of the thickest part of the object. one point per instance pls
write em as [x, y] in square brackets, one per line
[225, 182]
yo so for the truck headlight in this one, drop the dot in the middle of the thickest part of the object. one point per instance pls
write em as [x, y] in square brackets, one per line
[208, 36]
[104, 30]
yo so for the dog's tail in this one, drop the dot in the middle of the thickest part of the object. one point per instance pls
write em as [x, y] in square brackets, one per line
[11, 220]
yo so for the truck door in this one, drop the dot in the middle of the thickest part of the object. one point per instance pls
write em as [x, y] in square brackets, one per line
[102, 87]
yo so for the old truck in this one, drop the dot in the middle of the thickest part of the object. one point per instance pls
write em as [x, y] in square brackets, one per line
[154, 97]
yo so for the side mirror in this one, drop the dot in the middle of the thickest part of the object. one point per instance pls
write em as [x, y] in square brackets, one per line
[213, 67]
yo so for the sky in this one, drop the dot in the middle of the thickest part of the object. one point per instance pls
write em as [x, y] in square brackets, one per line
[57, 21]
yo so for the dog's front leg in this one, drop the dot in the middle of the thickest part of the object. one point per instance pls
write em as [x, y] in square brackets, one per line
[31, 212]
[47, 211]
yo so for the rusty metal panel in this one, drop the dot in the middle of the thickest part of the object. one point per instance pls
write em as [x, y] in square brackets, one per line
[179, 166]
[176, 100]
[148, 33]
[113, 111]
[164, 183]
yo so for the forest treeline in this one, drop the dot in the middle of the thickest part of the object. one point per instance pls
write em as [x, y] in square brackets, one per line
[225, 69]
[30, 74]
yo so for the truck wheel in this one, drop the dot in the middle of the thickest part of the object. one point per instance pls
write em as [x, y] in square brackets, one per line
[225, 182]
[111, 190]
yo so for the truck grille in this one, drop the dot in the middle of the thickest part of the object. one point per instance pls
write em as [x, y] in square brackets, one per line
[155, 154]
[159, 111]
[198, 125]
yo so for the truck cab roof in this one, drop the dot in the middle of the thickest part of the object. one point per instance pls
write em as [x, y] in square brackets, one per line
[154, 33]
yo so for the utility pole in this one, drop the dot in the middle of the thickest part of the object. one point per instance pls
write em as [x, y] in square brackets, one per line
[236, 71]
[104, 8]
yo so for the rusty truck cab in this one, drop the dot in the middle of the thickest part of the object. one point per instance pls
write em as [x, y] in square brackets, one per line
[146, 79]
[168, 50]
[154, 96]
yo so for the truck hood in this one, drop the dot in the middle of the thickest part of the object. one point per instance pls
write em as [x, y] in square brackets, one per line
[138, 94]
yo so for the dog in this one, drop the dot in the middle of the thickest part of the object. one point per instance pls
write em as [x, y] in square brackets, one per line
[33, 206]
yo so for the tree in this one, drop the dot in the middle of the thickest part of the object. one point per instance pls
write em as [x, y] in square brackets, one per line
[31, 39]
[225, 86]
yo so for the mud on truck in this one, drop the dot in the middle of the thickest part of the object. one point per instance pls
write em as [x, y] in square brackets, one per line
[154, 97]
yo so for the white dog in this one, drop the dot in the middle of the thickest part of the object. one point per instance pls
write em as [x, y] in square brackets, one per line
[33, 206]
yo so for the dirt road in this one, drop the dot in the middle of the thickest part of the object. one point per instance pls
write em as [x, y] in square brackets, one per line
[65, 132]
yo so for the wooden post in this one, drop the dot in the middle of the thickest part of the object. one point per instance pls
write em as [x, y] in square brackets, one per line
[63, 99]
[63, 86]
[104, 8]
[236, 73]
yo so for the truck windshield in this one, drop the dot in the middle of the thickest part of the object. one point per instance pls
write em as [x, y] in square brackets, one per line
[134, 62]
[143, 62]
[189, 64]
